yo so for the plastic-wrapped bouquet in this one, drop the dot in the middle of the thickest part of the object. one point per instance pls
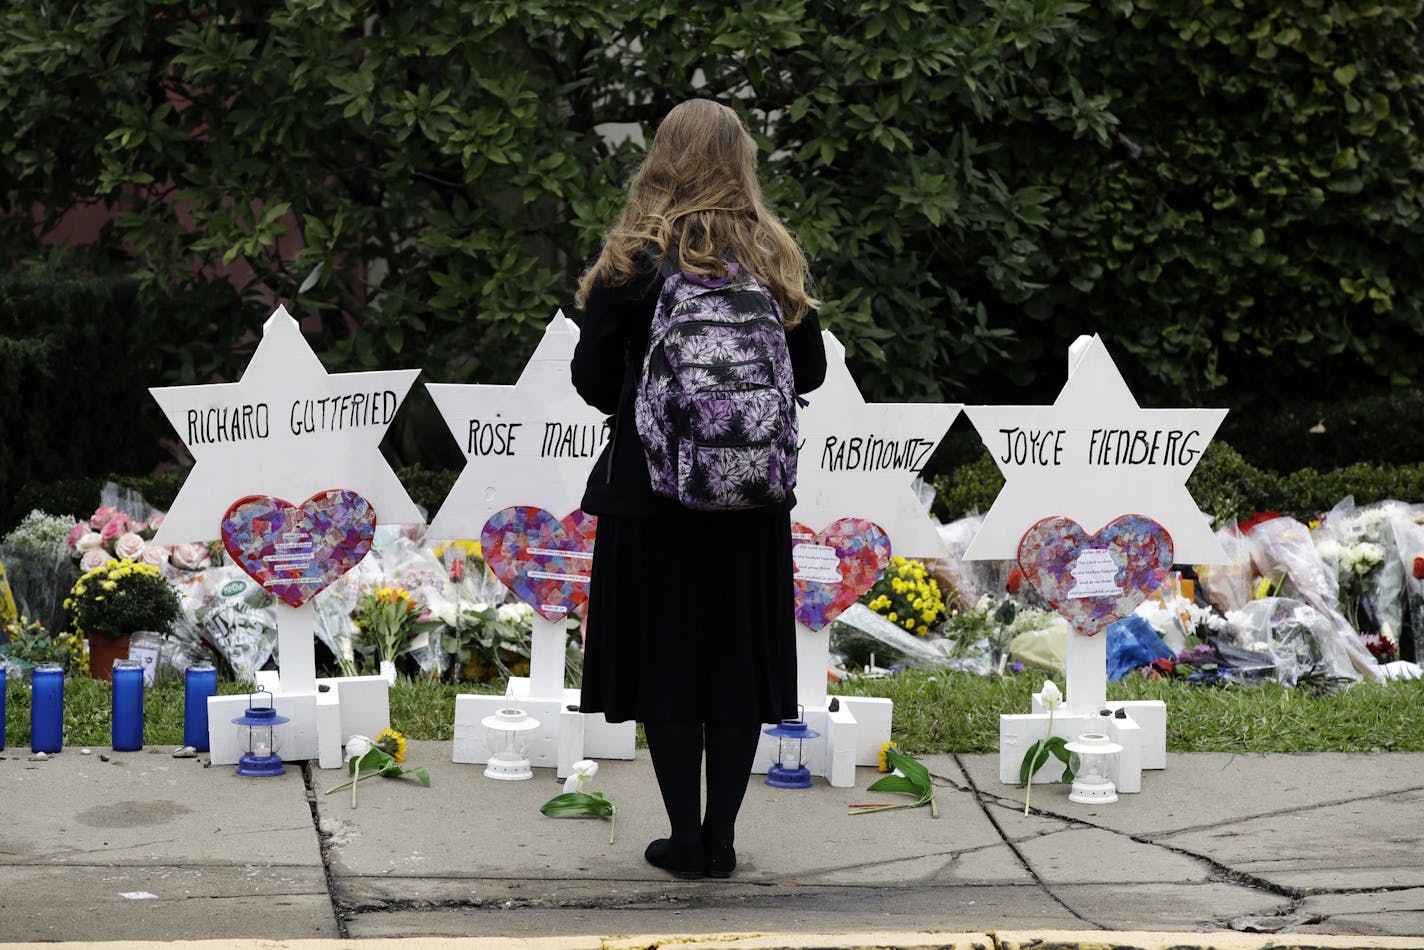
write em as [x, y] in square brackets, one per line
[38, 566]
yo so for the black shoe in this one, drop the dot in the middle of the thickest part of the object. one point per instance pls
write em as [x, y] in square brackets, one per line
[678, 860]
[721, 860]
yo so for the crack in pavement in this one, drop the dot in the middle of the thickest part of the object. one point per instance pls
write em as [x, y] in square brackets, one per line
[699, 896]
[1293, 810]
[1013, 846]
[323, 844]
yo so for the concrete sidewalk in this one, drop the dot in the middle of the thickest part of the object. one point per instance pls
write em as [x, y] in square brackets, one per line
[1217, 850]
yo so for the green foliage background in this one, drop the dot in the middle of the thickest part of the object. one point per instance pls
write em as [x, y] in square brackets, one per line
[1228, 191]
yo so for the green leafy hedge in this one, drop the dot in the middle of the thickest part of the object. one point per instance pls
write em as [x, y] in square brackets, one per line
[75, 364]
[1229, 192]
[1224, 485]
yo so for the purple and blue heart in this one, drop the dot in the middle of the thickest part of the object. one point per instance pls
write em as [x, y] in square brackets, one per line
[1095, 580]
[295, 551]
[544, 560]
[834, 567]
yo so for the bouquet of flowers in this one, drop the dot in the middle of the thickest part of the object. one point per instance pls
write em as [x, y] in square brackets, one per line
[907, 596]
[121, 597]
[487, 642]
[27, 644]
[388, 617]
[110, 534]
[38, 566]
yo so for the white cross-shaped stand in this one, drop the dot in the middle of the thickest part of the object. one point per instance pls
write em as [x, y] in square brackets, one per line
[528, 444]
[857, 459]
[1092, 456]
[289, 429]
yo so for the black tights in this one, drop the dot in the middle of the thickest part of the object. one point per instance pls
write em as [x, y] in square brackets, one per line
[677, 750]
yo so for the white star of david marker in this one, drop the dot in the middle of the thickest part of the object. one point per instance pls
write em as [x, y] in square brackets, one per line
[1093, 456]
[288, 429]
[527, 444]
[860, 459]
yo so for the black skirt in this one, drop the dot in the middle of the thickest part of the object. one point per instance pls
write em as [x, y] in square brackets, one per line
[691, 618]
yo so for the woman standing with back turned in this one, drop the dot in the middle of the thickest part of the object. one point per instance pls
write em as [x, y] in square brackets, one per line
[691, 626]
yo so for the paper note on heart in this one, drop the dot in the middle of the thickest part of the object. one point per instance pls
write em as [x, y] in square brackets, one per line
[297, 550]
[1094, 580]
[545, 561]
[833, 568]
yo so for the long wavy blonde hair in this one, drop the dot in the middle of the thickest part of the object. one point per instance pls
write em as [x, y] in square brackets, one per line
[697, 190]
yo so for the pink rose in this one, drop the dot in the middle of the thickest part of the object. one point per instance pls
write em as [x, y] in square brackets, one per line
[92, 541]
[93, 558]
[129, 546]
[80, 529]
[114, 527]
[155, 554]
[156, 521]
[190, 557]
[102, 516]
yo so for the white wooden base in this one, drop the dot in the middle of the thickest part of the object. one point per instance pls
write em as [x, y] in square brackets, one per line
[850, 736]
[1142, 735]
[601, 739]
[557, 743]
[321, 718]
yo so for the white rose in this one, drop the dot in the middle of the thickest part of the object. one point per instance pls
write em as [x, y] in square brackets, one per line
[1050, 695]
[89, 542]
[514, 613]
[93, 558]
[190, 557]
[584, 770]
[155, 554]
[129, 546]
[357, 746]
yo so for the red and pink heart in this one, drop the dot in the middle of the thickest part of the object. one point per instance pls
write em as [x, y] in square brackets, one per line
[1095, 580]
[295, 551]
[545, 561]
[834, 567]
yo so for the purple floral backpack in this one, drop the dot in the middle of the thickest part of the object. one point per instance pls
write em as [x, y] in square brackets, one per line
[716, 403]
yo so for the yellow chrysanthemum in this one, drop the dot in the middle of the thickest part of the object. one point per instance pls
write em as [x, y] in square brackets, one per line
[392, 743]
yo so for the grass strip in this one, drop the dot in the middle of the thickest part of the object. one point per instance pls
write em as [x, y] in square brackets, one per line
[935, 712]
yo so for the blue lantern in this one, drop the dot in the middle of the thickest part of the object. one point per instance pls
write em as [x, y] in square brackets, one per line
[790, 770]
[261, 758]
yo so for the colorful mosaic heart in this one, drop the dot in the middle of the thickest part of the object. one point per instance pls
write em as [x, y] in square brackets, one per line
[835, 567]
[1094, 580]
[544, 561]
[297, 550]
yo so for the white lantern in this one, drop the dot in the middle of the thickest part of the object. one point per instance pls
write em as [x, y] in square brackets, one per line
[509, 750]
[1093, 759]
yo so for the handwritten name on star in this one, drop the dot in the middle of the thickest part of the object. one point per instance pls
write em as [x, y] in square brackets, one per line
[1098, 448]
[252, 421]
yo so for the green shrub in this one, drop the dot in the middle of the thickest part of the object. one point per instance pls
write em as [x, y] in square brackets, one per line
[1385, 427]
[1230, 192]
[1224, 485]
[74, 374]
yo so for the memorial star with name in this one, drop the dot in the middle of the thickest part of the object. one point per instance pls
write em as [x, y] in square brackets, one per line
[1093, 456]
[860, 459]
[287, 428]
[527, 444]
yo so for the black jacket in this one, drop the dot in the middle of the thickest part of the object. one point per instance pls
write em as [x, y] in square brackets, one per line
[613, 338]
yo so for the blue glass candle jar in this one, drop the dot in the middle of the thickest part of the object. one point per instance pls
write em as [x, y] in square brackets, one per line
[199, 682]
[128, 706]
[47, 708]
